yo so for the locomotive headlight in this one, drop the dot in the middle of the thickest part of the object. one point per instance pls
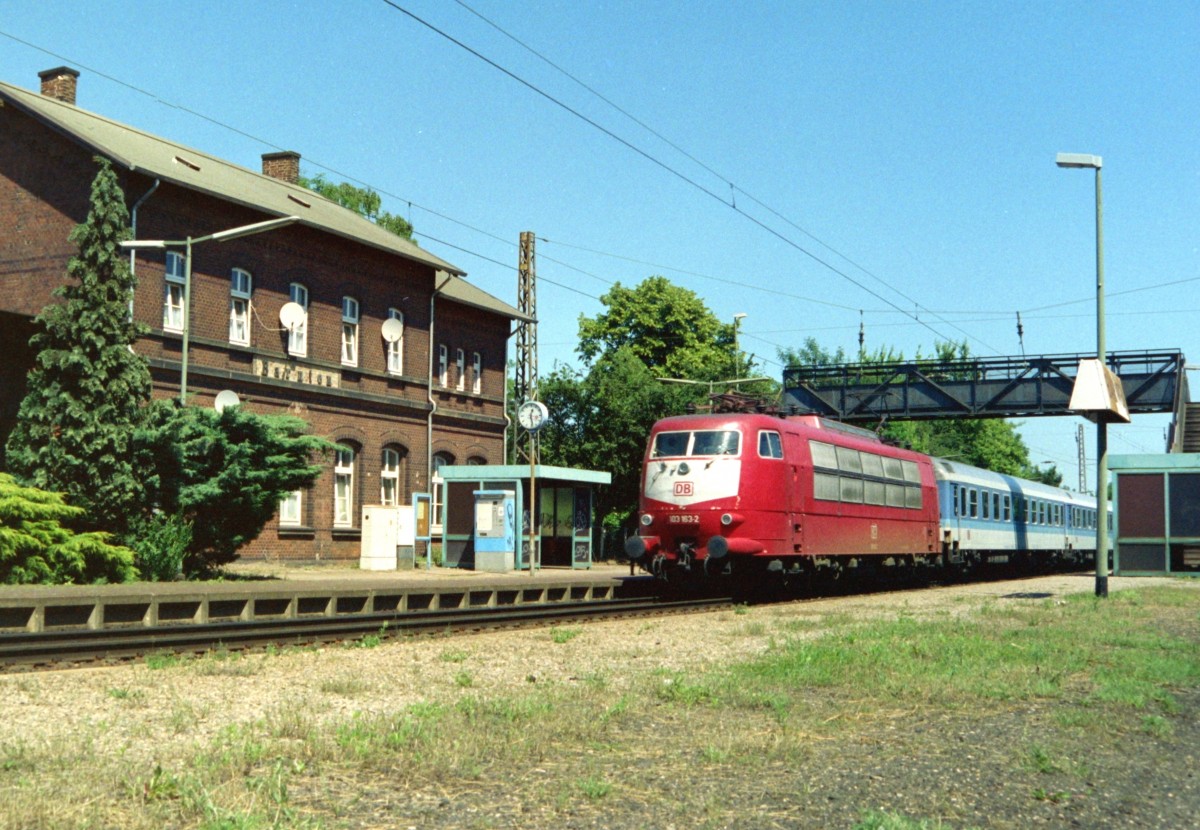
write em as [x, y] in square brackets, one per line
[647, 520]
[683, 468]
[728, 519]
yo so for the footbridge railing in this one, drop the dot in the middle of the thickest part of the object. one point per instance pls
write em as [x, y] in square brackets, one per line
[1000, 387]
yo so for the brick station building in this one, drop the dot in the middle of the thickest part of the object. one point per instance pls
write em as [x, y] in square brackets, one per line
[400, 400]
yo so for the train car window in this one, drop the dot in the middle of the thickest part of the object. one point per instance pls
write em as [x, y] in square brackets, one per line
[895, 495]
[670, 444]
[912, 473]
[892, 469]
[716, 442]
[986, 507]
[1006, 506]
[770, 445]
[851, 490]
[825, 487]
[872, 465]
[973, 503]
[874, 492]
[912, 497]
[962, 500]
[848, 460]
[996, 506]
[823, 455]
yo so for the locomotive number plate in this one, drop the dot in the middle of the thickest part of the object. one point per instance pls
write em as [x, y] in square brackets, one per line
[683, 519]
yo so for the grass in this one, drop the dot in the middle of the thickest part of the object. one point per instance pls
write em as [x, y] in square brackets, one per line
[1096, 672]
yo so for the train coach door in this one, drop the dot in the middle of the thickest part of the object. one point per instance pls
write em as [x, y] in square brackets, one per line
[795, 488]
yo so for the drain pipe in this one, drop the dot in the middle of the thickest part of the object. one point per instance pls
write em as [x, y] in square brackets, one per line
[432, 403]
[133, 214]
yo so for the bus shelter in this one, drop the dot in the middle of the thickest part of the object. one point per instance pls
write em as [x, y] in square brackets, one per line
[564, 533]
[1156, 508]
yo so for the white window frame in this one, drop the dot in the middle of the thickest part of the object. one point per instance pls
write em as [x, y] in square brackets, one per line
[343, 486]
[440, 459]
[174, 315]
[241, 284]
[298, 334]
[389, 477]
[291, 509]
[460, 365]
[395, 349]
[443, 378]
[349, 331]
[476, 373]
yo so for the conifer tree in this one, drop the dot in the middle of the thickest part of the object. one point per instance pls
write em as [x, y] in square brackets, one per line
[85, 393]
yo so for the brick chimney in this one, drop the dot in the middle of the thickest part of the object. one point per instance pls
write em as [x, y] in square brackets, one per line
[284, 165]
[60, 83]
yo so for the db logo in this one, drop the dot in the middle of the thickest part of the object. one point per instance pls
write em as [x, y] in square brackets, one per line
[683, 488]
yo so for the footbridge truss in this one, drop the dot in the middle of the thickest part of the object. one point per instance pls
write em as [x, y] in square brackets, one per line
[1000, 387]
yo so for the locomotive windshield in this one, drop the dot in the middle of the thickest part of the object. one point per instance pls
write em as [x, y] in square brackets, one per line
[700, 442]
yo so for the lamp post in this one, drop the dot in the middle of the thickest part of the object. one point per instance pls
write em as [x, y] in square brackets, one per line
[186, 244]
[1086, 162]
[737, 323]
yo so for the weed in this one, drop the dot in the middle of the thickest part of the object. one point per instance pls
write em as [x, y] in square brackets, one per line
[1041, 761]
[1053, 797]
[1157, 725]
[741, 609]
[163, 660]
[345, 686]
[453, 656]
[564, 635]
[882, 820]
[593, 787]
[463, 679]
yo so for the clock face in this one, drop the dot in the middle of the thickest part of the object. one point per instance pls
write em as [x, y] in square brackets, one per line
[532, 415]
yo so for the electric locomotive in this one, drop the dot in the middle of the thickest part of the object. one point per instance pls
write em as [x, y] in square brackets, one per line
[740, 494]
[747, 495]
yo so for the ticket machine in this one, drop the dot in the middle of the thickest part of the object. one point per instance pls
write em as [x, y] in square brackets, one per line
[495, 530]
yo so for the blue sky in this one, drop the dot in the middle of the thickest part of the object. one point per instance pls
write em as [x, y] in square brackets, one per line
[909, 147]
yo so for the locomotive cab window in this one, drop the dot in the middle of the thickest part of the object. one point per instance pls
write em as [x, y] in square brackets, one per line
[716, 442]
[770, 445]
[702, 442]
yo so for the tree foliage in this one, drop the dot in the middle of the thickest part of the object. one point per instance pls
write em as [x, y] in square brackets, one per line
[223, 473]
[36, 547]
[667, 327]
[362, 200]
[603, 417]
[86, 389]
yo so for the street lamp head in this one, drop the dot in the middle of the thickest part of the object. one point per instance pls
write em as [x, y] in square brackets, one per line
[143, 244]
[739, 316]
[1079, 160]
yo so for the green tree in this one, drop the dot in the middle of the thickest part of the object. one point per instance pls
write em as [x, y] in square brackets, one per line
[87, 387]
[222, 473]
[36, 547]
[603, 417]
[667, 327]
[362, 200]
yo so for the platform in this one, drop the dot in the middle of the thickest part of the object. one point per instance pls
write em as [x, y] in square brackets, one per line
[275, 591]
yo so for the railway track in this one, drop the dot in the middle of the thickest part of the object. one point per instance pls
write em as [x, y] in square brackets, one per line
[75, 648]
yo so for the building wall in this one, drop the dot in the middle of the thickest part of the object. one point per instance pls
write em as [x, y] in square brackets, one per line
[44, 185]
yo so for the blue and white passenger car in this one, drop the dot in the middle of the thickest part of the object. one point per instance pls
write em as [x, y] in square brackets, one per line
[988, 516]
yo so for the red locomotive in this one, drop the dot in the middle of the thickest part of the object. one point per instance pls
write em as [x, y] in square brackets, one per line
[747, 493]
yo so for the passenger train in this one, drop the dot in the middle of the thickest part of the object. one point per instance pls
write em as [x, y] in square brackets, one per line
[753, 495]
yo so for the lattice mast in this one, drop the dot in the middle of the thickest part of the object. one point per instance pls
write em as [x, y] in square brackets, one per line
[525, 387]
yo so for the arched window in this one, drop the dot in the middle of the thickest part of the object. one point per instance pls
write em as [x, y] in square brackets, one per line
[390, 476]
[476, 461]
[343, 486]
